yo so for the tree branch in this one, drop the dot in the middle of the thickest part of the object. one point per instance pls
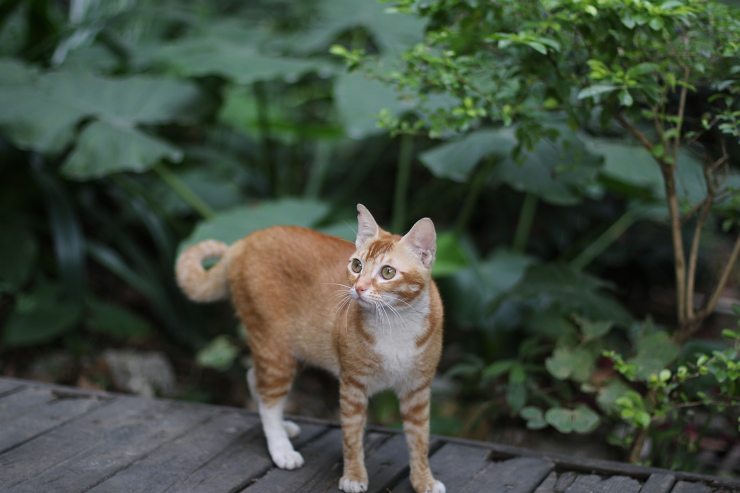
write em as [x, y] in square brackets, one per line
[711, 303]
[694, 251]
[669, 182]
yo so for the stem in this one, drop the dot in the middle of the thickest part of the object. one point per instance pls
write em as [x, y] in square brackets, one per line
[405, 159]
[638, 445]
[263, 122]
[524, 223]
[318, 169]
[669, 182]
[478, 182]
[711, 303]
[600, 244]
[694, 251]
[183, 191]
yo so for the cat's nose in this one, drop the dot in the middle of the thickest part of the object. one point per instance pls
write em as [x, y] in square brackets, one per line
[361, 288]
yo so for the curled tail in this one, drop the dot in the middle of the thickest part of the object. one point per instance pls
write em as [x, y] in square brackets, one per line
[196, 282]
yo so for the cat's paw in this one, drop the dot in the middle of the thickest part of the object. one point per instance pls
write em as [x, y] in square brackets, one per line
[351, 486]
[292, 429]
[436, 487]
[287, 459]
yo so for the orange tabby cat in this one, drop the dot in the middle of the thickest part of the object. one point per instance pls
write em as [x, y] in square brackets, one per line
[383, 332]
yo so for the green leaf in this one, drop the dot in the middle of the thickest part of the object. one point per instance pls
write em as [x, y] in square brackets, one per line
[40, 110]
[360, 100]
[533, 416]
[625, 98]
[576, 363]
[595, 90]
[233, 224]
[479, 285]
[392, 31]
[18, 250]
[39, 317]
[450, 257]
[219, 354]
[496, 369]
[608, 395]
[105, 148]
[233, 60]
[571, 290]
[581, 420]
[516, 391]
[655, 351]
[593, 330]
[456, 160]
[116, 321]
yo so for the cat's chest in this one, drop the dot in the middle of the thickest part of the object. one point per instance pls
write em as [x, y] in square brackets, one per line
[397, 354]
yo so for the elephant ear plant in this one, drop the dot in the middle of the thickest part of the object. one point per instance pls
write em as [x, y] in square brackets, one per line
[661, 74]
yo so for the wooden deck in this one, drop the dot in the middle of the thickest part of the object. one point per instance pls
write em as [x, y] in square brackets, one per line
[59, 439]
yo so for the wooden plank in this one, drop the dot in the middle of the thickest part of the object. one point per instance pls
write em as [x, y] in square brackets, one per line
[19, 402]
[386, 459]
[32, 412]
[658, 483]
[246, 457]
[548, 484]
[323, 466]
[690, 487]
[103, 426]
[517, 475]
[163, 423]
[8, 386]
[387, 464]
[592, 483]
[454, 465]
[176, 459]
[564, 481]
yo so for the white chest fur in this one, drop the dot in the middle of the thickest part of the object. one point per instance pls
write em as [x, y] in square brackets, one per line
[395, 344]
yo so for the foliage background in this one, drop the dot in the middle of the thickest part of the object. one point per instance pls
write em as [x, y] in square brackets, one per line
[130, 128]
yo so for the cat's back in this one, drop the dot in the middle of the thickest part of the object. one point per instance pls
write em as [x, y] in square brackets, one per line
[287, 261]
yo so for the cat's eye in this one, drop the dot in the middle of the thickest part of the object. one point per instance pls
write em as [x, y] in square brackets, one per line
[387, 272]
[356, 265]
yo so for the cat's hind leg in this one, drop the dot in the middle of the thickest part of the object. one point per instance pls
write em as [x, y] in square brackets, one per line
[270, 382]
[291, 428]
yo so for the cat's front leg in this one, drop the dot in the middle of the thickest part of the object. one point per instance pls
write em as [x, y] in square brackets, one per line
[415, 414]
[353, 408]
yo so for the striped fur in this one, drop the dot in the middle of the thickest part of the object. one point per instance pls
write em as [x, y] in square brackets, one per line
[295, 291]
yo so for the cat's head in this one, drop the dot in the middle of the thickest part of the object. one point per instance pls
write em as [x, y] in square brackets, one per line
[387, 268]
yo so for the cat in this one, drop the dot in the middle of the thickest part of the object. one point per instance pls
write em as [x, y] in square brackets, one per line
[369, 313]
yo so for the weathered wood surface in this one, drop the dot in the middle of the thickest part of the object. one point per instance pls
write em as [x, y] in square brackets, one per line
[59, 439]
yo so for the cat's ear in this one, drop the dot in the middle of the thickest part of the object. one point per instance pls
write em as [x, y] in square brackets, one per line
[422, 240]
[366, 226]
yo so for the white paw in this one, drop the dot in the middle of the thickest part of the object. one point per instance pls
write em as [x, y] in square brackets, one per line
[292, 429]
[287, 459]
[438, 487]
[351, 486]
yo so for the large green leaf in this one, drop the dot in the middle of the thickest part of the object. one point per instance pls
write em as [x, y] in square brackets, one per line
[104, 148]
[39, 317]
[236, 223]
[392, 31]
[218, 354]
[571, 291]
[456, 160]
[360, 100]
[18, 251]
[558, 171]
[477, 286]
[39, 111]
[116, 321]
[238, 62]
[632, 166]
[576, 363]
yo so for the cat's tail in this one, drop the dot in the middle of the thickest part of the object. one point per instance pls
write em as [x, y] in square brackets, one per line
[196, 282]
